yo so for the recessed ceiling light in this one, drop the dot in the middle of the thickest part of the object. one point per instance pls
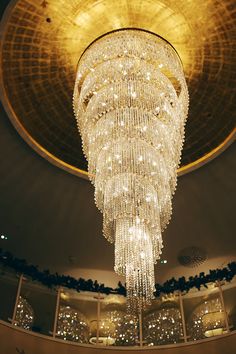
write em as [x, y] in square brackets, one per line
[3, 237]
[164, 261]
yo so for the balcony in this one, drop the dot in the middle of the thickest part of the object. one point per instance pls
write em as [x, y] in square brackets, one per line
[95, 320]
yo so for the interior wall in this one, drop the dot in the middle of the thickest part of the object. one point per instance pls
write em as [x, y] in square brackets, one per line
[109, 278]
[14, 340]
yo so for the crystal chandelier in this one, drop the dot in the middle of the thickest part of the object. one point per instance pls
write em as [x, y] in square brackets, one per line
[24, 314]
[163, 326]
[207, 320]
[119, 327]
[131, 103]
[72, 325]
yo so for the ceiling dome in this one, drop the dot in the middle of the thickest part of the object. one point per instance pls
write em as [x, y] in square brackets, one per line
[41, 48]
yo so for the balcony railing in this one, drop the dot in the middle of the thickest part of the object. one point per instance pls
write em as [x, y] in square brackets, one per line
[98, 319]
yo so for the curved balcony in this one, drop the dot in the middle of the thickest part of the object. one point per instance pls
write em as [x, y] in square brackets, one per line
[17, 340]
[95, 320]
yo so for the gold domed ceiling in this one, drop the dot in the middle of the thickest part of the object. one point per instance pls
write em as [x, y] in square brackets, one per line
[43, 40]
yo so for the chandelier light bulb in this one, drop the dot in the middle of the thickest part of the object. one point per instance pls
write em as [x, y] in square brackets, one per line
[131, 103]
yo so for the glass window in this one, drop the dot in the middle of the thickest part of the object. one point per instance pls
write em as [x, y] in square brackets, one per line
[204, 314]
[77, 311]
[162, 322]
[116, 326]
[40, 301]
[8, 290]
[229, 294]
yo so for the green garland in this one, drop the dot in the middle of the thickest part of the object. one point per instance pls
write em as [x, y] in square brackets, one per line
[54, 280]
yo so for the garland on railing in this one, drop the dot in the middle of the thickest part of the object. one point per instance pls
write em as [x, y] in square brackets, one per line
[53, 280]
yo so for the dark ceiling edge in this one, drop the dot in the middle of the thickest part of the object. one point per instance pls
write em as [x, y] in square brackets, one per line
[3, 6]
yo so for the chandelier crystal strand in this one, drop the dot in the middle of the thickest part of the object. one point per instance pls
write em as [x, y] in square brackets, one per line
[131, 103]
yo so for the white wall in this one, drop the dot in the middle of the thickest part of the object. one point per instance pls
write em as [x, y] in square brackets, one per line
[17, 341]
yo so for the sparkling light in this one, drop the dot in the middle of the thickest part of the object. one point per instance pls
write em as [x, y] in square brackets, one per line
[72, 325]
[207, 320]
[131, 103]
[163, 326]
[24, 314]
[118, 328]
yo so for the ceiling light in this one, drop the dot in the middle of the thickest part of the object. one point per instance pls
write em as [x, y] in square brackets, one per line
[207, 320]
[72, 325]
[24, 314]
[133, 192]
[116, 328]
[164, 325]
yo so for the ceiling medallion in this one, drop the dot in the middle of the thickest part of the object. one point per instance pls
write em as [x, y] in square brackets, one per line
[131, 104]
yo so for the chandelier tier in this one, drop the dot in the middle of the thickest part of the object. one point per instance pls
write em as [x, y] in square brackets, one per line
[131, 103]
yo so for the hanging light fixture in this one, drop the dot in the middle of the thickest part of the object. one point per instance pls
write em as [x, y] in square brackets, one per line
[131, 103]
[72, 325]
[164, 325]
[207, 320]
[116, 328]
[24, 314]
